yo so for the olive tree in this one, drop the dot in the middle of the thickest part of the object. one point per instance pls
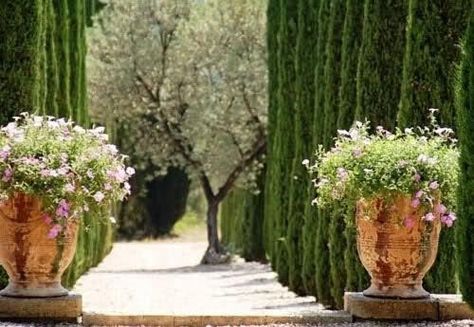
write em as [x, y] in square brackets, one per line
[186, 82]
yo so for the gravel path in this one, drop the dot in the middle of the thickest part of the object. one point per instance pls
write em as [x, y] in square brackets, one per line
[157, 278]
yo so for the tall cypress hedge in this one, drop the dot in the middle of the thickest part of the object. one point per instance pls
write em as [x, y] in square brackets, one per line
[272, 180]
[380, 62]
[304, 91]
[283, 155]
[21, 24]
[432, 52]
[332, 221]
[307, 66]
[321, 250]
[356, 275]
[465, 210]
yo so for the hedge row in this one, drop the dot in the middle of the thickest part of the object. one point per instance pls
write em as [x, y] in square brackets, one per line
[385, 61]
[42, 70]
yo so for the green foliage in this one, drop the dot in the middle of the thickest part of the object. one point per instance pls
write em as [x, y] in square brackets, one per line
[304, 90]
[333, 235]
[319, 252]
[241, 222]
[283, 144]
[380, 62]
[35, 77]
[357, 277]
[363, 165]
[432, 52]
[465, 114]
[272, 181]
[21, 30]
[155, 206]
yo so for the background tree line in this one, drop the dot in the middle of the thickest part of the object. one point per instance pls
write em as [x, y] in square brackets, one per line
[331, 62]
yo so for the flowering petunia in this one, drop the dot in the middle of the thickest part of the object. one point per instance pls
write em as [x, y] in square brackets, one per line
[7, 175]
[415, 203]
[434, 185]
[54, 231]
[429, 216]
[99, 196]
[440, 208]
[448, 219]
[63, 209]
[419, 194]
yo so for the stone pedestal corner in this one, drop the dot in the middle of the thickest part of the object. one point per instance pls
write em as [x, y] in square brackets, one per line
[438, 307]
[64, 308]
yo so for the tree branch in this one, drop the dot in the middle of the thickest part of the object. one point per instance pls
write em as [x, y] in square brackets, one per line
[258, 149]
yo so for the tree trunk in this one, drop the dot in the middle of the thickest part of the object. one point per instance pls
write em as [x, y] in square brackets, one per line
[215, 254]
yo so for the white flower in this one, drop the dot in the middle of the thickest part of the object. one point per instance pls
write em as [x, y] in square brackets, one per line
[130, 171]
[79, 129]
[69, 188]
[99, 196]
[113, 220]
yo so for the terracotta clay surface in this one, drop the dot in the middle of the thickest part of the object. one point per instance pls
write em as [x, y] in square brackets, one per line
[26, 252]
[396, 256]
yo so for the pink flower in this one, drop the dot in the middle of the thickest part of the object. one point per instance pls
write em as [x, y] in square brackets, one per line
[342, 174]
[54, 231]
[448, 219]
[63, 209]
[107, 187]
[440, 208]
[99, 196]
[429, 216]
[417, 177]
[356, 153]
[415, 203]
[419, 194]
[118, 174]
[409, 222]
[434, 185]
[7, 175]
[5, 152]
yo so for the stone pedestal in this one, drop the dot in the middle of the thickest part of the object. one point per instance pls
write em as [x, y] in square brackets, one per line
[436, 308]
[65, 308]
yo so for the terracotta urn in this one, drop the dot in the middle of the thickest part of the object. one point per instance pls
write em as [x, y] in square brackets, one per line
[396, 254]
[34, 262]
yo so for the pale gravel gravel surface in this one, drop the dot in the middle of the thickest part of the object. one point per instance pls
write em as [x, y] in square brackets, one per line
[165, 278]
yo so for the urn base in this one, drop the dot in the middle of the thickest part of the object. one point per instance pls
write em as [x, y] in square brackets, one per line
[54, 289]
[397, 291]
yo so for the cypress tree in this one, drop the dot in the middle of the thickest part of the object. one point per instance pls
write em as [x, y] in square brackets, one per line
[320, 251]
[299, 189]
[465, 114]
[62, 56]
[21, 32]
[432, 52]
[284, 141]
[380, 62]
[332, 241]
[357, 277]
[52, 78]
[252, 247]
[271, 178]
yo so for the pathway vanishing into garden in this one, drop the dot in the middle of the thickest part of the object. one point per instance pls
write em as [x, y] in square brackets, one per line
[164, 278]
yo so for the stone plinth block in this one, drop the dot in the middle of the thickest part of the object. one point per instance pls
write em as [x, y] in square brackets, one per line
[63, 308]
[364, 307]
[437, 307]
[451, 306]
